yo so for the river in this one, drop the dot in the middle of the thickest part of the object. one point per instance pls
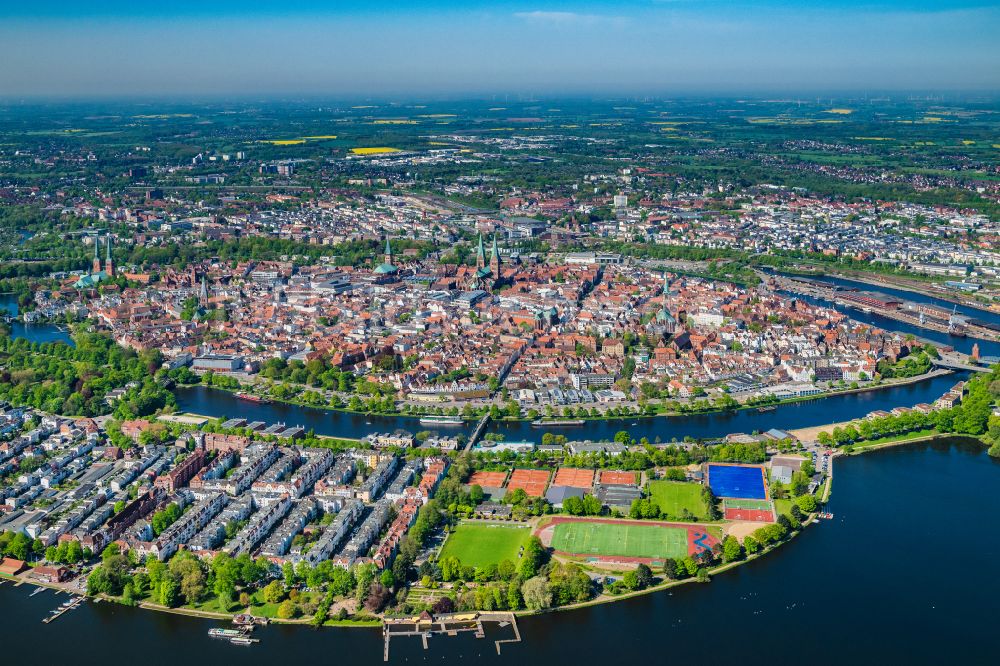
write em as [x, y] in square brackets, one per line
[974, 313]
[217, 403]
[903, 574]
[962, 344]
[32, 332]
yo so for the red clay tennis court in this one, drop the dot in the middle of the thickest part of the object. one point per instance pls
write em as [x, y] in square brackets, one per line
[618, 478]
[488, 479]
[532, 481]
[574, 478]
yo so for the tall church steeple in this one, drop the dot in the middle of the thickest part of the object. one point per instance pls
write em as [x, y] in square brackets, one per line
[203, 293]
[388, 251]
[109, 266]
[97, 257]
[481, 254]
[495, 259]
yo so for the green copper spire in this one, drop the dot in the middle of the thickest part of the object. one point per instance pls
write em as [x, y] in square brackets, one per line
[481, 253]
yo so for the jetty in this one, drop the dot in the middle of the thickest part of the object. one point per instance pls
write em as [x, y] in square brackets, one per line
[63, 610]
[426, 625]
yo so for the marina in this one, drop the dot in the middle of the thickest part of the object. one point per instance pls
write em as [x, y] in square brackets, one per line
[62, 609]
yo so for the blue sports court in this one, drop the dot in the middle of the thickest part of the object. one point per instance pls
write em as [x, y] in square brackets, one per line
[737, 481]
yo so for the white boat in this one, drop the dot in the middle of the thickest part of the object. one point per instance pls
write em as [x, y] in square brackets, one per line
[225, 633]
[441, 420]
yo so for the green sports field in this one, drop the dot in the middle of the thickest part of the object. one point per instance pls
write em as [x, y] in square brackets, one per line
[620, 539]
[674, 496]
[752, 504]
[478, 545]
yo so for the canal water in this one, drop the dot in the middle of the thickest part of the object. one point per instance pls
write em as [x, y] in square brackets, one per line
[974, 313]
[903, 574]
[962, 344]
[33, 332]
[217, 403]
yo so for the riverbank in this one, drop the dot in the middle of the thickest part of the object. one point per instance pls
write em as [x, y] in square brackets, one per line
[846, 404]
[914, 284]
[671, 584]
[824, 574]
[914, 438]
[884, 384]
[906, 285]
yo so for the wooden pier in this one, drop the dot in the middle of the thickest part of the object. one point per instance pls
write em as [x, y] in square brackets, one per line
[426, 625]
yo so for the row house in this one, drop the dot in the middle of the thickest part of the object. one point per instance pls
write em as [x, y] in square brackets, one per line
[335, 533]
[192, 521]
[260, 524]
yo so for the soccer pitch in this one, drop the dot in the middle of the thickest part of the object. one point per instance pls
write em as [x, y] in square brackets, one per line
[620, 539]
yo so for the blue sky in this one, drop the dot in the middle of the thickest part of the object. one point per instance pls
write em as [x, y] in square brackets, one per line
[448, 47]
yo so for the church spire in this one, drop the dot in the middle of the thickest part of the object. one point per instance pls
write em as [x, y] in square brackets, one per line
[495, 258]
[109, 266]
[481, 253]
[388, 251]
[97, 257]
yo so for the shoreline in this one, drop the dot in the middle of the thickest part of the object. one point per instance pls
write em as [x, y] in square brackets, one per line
[938, 372]
[810, 520]
[907, 286]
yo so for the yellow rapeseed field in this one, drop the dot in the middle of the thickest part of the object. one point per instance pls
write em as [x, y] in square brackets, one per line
[379, 150]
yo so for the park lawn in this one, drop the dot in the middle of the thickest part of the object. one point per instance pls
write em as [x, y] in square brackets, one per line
[479, 545]
[674, 496]
[426, 596]
[783, 507]
[894, 438]
[621, 539]
[211, 605]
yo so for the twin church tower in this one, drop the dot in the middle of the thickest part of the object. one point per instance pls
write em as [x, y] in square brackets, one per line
[109, 266]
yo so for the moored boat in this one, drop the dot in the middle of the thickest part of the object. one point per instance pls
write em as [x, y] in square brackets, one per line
[441, 420]
[250, 397]
[215, 632]
[542, 423]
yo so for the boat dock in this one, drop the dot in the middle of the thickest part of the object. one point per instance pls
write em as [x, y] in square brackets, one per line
[426, 625]
[63, 609]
